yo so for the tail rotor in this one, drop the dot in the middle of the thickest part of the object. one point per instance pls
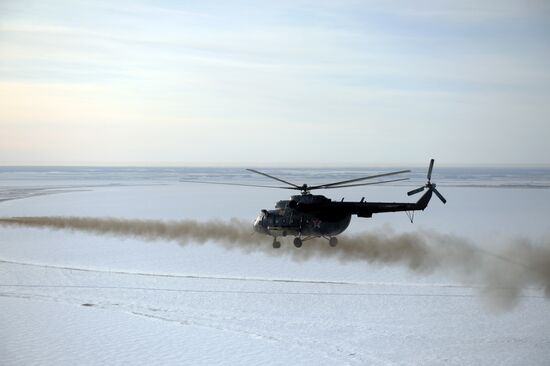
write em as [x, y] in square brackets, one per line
[429, 185]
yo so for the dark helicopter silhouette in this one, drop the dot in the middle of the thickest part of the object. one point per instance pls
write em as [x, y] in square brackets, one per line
[307, 216]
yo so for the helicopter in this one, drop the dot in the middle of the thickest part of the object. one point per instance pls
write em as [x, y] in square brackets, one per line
[307, 216]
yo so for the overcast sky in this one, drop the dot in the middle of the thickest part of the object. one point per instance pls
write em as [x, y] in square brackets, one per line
[261, 83]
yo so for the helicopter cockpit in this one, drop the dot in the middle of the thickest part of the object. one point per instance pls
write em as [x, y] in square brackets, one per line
[259, 225]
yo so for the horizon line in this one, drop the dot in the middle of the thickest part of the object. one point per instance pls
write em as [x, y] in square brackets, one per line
[258, 164]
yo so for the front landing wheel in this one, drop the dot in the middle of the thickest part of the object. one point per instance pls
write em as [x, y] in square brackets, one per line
[333, 242]
[276, 244]
[297, 242]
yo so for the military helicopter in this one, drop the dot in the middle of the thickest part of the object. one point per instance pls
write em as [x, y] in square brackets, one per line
[307, 216]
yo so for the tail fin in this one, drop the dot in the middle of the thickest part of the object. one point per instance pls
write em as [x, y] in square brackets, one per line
[422, 203]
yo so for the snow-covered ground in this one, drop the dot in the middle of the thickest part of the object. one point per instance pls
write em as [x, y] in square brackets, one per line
[72, 298]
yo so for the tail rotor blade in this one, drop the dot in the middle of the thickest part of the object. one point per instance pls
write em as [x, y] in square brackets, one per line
[439, 195]
[415, 191]
[430, 170]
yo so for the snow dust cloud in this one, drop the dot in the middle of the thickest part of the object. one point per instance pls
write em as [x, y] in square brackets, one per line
[501, 275]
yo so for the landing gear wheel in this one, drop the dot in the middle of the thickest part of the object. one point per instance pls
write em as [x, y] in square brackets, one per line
[333, 242]
[276, 244]
[297, 242]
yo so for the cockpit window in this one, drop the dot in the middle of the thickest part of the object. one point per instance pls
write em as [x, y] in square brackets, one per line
[281, 204]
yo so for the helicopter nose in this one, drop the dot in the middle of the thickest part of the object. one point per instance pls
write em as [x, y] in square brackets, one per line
[258, 226]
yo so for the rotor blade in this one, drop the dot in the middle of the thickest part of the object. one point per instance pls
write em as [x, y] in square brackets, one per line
[361, 184]
[272, 177]
[439, 195]
[234, 184]
[430, 169]
[415, 191]
[357, 179]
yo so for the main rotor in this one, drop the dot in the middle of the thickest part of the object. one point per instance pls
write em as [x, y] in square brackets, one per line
[305, 189]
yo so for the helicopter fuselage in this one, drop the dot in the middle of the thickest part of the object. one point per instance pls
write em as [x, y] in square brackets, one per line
[288, 219]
